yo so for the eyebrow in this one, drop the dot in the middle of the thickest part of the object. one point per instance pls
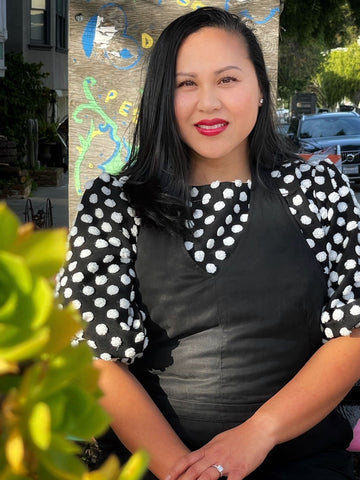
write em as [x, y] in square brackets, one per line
[217, 72]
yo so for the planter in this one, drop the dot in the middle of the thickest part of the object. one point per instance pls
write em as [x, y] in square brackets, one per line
[16, 190]
[49, 177]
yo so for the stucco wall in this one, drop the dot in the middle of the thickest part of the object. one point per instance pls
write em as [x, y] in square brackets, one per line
[108, 49]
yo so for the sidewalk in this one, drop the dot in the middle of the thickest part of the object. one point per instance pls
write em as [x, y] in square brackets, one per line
[58, 197]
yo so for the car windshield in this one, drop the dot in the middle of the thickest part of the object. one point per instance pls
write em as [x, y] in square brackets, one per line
[329, 126]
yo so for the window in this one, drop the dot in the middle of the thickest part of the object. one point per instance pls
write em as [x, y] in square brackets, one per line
[39, 28]
[61, 24]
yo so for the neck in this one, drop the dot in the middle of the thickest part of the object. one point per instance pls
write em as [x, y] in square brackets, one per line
[206, 171]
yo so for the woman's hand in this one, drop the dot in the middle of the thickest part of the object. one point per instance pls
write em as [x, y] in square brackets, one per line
[136, 419]
[239, 451]
[311, 395]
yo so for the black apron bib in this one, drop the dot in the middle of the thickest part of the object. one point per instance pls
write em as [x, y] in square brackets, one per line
[221, 345]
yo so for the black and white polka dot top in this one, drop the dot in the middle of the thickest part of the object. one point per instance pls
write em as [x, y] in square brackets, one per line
[98, 276]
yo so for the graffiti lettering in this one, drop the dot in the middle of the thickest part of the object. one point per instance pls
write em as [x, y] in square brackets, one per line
[108, 110]
[135, 115]
[194, 5]
[197, 4]
[125, 108]
[146, 40]
[111, 95]
[227, 4]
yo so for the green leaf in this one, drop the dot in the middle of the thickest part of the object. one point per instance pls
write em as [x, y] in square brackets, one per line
[60, 464]
[84, 418]
[8, 307]
[7, 367]
[136, 466]
[15, 451]
[9, 226]
[68, 322]
[7, 474]
[68, 368]
[44, 251]
[109, 470]
[15, 281]
[25, 300]
[57, 405]
[40, 425]
[26, 349]
[8, 382]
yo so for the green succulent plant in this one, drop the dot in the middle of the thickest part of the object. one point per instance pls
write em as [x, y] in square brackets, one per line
[48, 389]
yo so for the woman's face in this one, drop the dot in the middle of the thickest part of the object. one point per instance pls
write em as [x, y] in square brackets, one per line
[217, 97]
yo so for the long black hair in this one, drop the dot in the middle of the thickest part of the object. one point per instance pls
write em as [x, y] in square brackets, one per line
[159, 163]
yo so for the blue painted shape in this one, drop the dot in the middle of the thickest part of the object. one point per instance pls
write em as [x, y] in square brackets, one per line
[88, 41]
[126, 54]
[124, 35]
[272, 13]
[108, 128]
[127, 149]
[89, 36]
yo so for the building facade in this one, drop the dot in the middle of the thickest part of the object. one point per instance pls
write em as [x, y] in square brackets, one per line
[39, 29]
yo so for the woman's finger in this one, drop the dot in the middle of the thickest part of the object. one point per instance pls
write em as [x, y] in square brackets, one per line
[202, 470]
[184, 464]
[219, 469]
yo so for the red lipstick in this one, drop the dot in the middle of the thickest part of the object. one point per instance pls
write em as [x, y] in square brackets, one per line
[211, 127]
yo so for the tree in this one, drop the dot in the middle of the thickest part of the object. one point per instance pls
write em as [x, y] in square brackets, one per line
[332, 23]
[307, 29]
[339, 75]
[22, 96]
[296, 67]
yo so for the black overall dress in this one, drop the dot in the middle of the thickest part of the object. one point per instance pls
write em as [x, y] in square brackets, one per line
[221, 345]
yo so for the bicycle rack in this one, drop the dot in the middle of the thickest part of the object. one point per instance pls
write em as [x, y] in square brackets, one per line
[43, 218]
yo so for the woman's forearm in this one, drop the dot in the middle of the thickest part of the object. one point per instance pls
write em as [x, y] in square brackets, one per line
[136, 419]
[314, 392]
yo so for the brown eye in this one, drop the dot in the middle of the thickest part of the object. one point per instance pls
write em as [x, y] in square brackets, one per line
[186, 83]
[228, 80]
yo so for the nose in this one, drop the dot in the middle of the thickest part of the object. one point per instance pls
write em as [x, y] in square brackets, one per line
[208, 99]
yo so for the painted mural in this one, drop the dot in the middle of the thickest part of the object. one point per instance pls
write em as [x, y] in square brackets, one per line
[109, 46]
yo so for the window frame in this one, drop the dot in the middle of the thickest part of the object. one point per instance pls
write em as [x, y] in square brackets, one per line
[45, 41]
[61, 25]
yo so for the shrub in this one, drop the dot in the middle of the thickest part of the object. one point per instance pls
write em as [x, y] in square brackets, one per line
[48, 389]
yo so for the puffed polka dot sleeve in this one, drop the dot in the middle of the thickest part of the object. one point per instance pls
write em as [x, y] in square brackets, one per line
[99, 275]
[328, 214]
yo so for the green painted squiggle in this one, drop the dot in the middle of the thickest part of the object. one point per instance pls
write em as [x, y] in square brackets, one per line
[114, 163]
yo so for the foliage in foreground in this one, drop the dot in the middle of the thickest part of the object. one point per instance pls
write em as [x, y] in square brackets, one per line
[48, 389]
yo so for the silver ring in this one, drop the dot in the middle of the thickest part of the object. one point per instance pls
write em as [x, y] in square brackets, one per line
[219, 468]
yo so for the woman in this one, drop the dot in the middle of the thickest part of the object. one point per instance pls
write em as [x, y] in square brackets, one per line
[234, 261]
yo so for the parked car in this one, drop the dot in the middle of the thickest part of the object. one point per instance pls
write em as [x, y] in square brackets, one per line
[340, 130]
